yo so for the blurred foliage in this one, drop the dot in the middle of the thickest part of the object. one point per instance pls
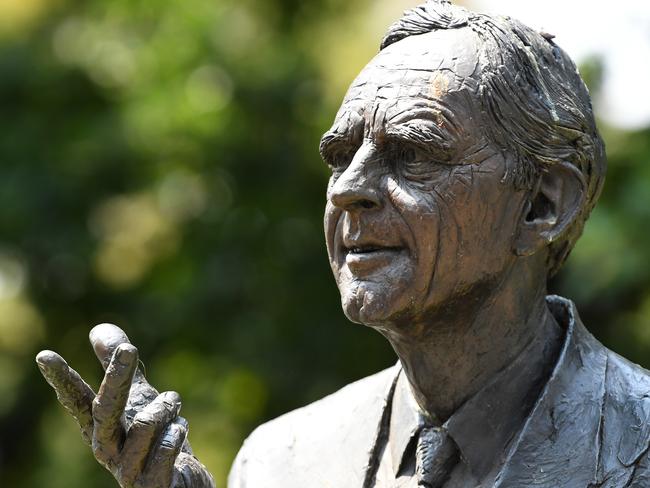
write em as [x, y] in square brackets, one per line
[160, 171]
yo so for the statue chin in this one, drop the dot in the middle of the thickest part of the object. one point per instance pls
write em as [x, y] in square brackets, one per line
[369, 303]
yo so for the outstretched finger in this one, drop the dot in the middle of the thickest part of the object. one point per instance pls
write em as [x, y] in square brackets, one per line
[144, 431]
[159, 472]
[105, 339]
[71, 390]
[108, 406]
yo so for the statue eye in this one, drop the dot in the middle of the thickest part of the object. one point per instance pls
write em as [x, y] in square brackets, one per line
[404, 154]
[340, 158]
[398, 153]
[418, 166]
[410, 160]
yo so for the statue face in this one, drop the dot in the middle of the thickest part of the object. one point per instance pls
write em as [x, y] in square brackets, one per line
[418, 215]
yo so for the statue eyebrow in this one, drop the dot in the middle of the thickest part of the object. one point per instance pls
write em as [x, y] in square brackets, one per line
[428, 136]
[432, 129]
[330, 141]
[347, 127]
[435, 141]
[438, 114]
[334, 139]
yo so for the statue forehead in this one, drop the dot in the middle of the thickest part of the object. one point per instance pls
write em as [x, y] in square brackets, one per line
[426, 66]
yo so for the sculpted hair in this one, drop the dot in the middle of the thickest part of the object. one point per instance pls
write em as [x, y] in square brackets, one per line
[537, 108]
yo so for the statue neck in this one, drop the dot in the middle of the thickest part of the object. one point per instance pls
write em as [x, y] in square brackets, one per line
[455, 354]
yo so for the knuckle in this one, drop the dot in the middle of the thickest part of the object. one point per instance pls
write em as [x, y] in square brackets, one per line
[171, 403]
[170, 399]
[166, 446]
[97, 403]
[170, 439]
[99, 451]
[144, 418]
[100, 409]
[182, 421]
[174, 395]
[144, 422]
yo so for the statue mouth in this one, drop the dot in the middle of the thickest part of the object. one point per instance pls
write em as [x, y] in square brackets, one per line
[365, 257]
[371, 249]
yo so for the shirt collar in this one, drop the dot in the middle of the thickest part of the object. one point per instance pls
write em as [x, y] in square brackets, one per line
[485, 424]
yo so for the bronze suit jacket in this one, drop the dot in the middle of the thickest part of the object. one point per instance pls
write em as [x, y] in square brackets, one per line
[589, 428]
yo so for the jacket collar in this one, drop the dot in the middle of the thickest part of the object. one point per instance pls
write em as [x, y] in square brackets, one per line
[561, 430]
[559, 443]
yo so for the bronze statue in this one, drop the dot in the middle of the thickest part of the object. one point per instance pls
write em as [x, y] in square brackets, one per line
[465, 161]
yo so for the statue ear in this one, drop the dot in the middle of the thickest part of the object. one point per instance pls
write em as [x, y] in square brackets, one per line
[551, 208]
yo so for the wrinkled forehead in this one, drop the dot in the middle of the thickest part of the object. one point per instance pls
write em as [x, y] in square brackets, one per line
[423, 70]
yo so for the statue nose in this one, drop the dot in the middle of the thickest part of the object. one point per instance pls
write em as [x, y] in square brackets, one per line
[355, 198]
[356, 188]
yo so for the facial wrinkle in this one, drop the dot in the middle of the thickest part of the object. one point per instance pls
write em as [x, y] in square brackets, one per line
[444, 133]
[401, 85]
[436, 259]
[459, 173]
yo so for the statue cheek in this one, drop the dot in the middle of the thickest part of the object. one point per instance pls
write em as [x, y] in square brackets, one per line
[409, 199]
[330, 220]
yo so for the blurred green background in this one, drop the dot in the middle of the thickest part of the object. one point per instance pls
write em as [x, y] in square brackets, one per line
[160, 171]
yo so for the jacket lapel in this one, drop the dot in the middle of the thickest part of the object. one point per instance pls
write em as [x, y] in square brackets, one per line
[381, 430]
[350, 442]
[559, 443]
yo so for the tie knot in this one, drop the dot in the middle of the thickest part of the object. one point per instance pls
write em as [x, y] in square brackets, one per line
[436, 455]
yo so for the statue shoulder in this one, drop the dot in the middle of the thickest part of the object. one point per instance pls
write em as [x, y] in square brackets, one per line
[628, 393]
[625, 429]
[329, 431]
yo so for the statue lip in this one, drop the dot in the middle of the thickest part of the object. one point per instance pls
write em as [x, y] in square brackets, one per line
[366, 256]
[371, 249]
[358, 245]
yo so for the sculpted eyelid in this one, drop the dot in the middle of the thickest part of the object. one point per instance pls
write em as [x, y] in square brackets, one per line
[410, 115]
[435, 147]
[438, 120]
[421, 130]
[335, 143]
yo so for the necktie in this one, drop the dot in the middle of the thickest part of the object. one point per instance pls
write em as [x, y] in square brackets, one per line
[436, 455]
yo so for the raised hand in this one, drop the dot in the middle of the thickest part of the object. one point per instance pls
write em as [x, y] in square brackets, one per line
[135, 433]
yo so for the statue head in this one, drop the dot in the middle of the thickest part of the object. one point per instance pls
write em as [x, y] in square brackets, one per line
[465, 154]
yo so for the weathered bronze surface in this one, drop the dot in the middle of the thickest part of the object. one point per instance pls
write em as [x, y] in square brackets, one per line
[465, 161]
